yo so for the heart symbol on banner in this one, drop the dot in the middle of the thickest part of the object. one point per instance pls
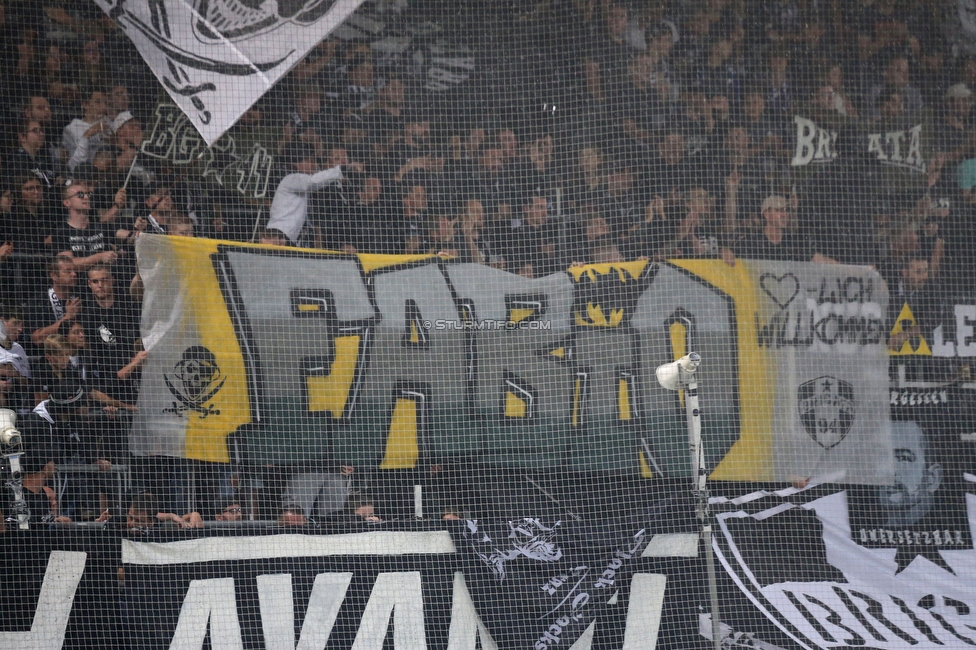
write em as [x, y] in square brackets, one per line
[780, 289]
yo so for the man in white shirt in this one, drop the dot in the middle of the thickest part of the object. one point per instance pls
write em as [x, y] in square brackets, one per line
[92, 125]
[290, 203]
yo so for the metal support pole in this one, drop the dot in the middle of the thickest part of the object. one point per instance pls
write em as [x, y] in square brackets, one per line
[700, 489]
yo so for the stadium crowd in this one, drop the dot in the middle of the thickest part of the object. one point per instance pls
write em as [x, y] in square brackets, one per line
[590, 131]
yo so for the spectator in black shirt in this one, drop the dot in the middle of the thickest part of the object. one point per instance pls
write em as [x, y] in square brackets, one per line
[31, 157]
[112, 328]
[533, 247]
[914, 292]
[778, 240]
[90, 243]
[58, 304]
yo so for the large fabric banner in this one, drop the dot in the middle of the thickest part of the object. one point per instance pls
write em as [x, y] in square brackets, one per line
[390, 361]
[60, 589]
[523, 584]
[217, 57]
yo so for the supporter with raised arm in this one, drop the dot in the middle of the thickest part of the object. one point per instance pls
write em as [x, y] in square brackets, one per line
[127, 139]
[290, 205]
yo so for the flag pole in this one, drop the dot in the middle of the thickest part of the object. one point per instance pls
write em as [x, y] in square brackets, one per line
[679, 375]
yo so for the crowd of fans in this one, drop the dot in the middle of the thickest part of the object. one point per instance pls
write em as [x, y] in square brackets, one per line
[589, 131]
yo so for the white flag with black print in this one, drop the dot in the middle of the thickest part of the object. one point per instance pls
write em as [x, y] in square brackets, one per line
[217, 57]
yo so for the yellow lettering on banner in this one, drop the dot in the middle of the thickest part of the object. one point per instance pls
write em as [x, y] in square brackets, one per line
[623, 270]
[678, 332]
[331, 392]
[402, 451]
[519, 315]
[645, 469]
[595, 317]
[373, 262]
[205, 437]
[515, 406]
[907, 318]
[623, 400]
[751, 456]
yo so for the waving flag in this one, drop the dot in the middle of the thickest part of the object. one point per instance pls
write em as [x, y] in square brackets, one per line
[217, 57]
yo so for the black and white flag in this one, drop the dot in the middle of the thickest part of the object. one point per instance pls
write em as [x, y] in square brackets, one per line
[217, 57]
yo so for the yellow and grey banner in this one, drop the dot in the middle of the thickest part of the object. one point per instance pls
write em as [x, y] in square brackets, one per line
[395, 361]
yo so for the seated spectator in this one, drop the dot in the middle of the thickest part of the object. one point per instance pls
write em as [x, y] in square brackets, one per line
[412, 219]
[76, 346]
[37, 108]
[475, 247]
[413, 158]
[778, 240]
[189, 520]
[587, 178]
[161, 209]
[309, 123]
[367, 227]
[32, 221]
[453, 513]
[606, 53]
[273, 237]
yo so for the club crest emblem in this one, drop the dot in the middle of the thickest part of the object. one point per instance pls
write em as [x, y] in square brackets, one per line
[196, 379]
[827, 409]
